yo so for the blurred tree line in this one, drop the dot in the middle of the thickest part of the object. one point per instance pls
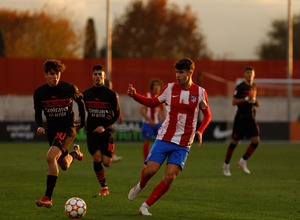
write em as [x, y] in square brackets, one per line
[37, 34]
[275, 47]
[147, 29]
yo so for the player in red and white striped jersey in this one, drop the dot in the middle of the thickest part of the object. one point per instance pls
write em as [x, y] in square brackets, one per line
[183, 99]
[152, 117]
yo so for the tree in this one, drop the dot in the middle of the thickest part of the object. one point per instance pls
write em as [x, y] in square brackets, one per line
[90, 40]
[276, 46]
[154, 29]
[38, 35]
[2, 45]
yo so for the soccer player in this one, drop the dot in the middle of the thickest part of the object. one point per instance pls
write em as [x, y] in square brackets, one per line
[183, 100]
[152, 117]
[244, 125]
[55, 99]
[103, 110]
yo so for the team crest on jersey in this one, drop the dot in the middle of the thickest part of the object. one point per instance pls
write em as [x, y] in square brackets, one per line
[193, 98]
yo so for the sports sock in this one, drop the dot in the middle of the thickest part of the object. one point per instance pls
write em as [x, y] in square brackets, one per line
[229, 152]
[146, 148]
[99, 171]
[51, 181]
[158, 192]
[144, 180]
[250, 151]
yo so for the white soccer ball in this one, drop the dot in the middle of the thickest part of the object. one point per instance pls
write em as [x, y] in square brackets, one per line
[75, 208]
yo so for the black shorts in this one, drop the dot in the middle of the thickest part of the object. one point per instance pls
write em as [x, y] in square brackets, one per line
[61, 138]
[244, 127]
[103, 142]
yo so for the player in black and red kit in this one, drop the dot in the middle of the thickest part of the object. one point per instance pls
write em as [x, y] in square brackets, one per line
[103, 111]
[245, 124]
[55, 100]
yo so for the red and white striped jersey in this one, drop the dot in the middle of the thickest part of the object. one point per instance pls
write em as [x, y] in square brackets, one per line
[154, 113]
[182, 106]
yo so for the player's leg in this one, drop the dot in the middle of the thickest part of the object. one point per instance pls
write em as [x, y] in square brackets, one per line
[106, 150]
[67, 158]
[164, 185]
[175, 164]
[52, 156]
[236, 135]
[100, 173]
[152, 165]
[253, 132]
[149, 170]
[94, 143]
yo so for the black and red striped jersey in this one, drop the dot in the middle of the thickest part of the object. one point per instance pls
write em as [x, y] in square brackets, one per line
[102, 107]
[243, 90]
[57, 105]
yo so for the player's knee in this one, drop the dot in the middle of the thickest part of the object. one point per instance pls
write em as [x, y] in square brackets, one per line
[169, 178]
[50, 159]
[64, 168]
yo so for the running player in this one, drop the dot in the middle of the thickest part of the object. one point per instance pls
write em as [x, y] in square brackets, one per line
[183, 100]
[55, 99]
[103, 110]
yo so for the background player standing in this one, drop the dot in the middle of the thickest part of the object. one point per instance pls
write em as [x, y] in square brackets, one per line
[183, 101]
[55, 99]
[152, 117]
[103, 111]
[244, 125]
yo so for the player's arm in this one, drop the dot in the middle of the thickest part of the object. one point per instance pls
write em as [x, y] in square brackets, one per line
[38, 108]
[205, 109]
[116, 110]
[113, 115]
[149, 102]
[247, 99]
[237, 101]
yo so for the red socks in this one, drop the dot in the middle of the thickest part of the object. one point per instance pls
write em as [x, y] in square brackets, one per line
[158, 192]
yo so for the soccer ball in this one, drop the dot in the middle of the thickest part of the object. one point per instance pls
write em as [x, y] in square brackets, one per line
[75, 208]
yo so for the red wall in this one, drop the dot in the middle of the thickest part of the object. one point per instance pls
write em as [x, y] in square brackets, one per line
[22, 76]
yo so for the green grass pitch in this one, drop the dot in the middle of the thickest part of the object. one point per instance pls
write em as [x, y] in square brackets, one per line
[271, 192]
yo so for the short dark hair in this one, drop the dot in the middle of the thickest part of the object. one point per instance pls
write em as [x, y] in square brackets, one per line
[185, 64]
[97, 67]
[251, 68]
[54, 65]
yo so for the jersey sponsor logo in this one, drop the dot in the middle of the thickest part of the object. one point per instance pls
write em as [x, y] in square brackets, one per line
[220, 134]
[57, 103]
[91, 104]
[57, 110]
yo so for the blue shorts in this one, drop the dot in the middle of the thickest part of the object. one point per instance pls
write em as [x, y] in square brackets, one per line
[161, 150]
[148, 131]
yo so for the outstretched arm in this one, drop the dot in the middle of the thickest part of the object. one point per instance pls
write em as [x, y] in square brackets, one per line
[149, 102]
